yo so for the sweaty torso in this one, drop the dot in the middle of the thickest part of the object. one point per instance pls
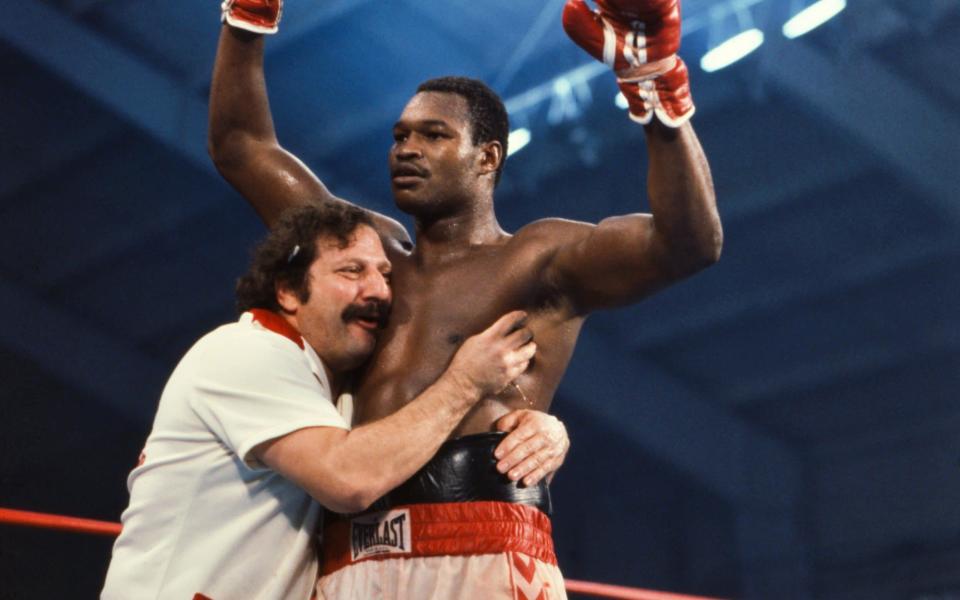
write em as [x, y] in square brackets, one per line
[441, 302]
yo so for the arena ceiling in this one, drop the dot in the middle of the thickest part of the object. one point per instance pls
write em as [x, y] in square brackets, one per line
[807, 384]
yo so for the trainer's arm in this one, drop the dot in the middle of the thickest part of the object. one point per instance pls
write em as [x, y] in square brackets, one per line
[535, 447]
[625, 258]
[347, 471]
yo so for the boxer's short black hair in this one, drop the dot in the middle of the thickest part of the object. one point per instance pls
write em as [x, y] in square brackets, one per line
[284, 257]
[488, 115]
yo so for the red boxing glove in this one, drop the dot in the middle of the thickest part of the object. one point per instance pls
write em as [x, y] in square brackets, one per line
[258, 16]
[638, 39]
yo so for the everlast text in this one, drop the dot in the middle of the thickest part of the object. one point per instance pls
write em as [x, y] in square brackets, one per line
[388, 534]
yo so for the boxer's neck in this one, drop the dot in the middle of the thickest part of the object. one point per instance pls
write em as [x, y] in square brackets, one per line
[451, 235]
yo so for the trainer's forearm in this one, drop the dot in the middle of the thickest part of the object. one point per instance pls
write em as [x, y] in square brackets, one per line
[381, 455]
[239, 108]
[682, 198]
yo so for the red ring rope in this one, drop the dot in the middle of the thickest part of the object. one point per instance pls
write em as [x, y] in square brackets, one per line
[48, 521]
[605, 590]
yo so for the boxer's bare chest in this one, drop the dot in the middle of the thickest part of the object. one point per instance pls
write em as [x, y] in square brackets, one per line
[439, 303]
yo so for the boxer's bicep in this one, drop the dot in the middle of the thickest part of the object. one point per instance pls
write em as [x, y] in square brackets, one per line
[273, 180]
[269, 177]
[614, 263]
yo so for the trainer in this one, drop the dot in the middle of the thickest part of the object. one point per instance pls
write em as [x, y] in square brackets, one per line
[248, 432]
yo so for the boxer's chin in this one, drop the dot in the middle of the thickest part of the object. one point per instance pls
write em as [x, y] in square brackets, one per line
[409, 200]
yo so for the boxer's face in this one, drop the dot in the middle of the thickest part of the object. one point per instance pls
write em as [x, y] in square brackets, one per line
[349, 299]
[435, 167]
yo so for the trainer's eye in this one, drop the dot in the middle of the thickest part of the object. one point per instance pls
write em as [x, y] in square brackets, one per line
[352, 271]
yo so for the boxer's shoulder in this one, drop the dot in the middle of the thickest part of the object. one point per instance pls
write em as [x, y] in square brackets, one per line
[549, 234]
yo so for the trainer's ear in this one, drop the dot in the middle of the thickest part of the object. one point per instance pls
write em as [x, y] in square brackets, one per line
[288, 299]
[491, 156]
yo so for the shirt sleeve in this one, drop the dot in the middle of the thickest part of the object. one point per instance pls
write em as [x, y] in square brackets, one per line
[252, 386]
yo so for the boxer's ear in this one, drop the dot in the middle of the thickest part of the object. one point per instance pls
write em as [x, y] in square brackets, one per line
[490, 156]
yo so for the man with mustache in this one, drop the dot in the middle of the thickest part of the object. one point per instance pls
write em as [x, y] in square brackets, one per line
[253, 427]
[450, 144]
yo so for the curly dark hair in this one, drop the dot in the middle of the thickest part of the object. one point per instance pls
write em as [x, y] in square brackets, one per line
[285, 255]
[488, 115]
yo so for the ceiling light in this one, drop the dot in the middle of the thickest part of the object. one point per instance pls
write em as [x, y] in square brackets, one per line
[812, 16]
[517, 139]
[621, 101]
[732, 50]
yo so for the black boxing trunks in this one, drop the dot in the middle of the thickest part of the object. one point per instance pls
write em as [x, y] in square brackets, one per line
[465, 470]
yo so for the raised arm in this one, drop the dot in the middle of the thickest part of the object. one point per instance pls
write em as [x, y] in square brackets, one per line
[625, 258]
[241, 139]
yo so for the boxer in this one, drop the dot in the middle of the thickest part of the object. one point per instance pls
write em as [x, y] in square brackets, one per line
[450, 143]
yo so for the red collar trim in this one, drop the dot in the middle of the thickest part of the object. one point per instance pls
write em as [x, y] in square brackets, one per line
[277, 324]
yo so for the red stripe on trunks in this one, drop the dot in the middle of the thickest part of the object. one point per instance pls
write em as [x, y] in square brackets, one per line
[453, 529]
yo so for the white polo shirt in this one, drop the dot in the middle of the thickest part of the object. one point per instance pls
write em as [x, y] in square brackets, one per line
[205, 517]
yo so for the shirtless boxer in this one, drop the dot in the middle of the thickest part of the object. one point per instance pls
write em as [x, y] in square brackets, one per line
[448, 152]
